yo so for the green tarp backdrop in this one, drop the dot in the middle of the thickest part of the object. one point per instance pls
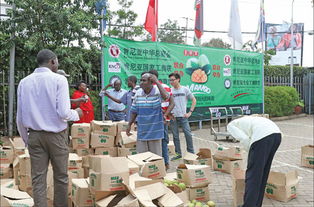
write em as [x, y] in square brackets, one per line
[216, 77]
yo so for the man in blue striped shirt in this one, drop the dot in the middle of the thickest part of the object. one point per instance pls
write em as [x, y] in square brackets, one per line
[146, 107]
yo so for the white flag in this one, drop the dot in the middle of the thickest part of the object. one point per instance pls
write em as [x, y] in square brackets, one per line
[234, 26]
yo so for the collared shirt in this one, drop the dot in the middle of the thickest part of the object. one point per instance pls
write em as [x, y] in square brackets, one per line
[149, 115]
[250, 129]
[43, 103]
[127, 100]
[115, 94]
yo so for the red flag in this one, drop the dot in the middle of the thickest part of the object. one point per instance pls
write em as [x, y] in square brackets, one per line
[151, 22]
[198, 21]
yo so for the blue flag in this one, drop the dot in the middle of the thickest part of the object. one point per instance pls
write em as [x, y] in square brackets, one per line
[101, 10]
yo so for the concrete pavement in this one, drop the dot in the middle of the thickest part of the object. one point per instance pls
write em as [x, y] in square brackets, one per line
[297, 132]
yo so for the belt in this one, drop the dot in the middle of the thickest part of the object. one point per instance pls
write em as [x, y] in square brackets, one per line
[32, 130]
[115, 111]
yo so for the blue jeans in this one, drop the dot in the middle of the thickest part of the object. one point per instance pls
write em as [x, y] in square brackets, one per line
[181, 121]
[164, 145]
[116, 116]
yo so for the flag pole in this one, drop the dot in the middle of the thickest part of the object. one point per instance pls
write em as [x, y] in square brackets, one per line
[156, 19]
[102, 63]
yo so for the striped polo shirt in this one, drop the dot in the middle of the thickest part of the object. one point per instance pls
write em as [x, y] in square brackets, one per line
[149, 115]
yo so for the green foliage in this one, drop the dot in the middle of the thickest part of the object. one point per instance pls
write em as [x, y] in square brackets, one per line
[284, 71]
[60, 25]
[217, 42]
[280, 100]
[123, 21]
[171, 32]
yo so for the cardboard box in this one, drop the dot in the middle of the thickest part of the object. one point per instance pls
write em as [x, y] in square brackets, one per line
[133, 168]
[170, 199]
[227, 166]
[11, 197]
[84, 152]
[101, 140]
[6, 155]
[78, 172]
[136, 181]
[80, 193]
[104, 127]
[124, 152]
[203, 157]
[107, 173]
[129, 141]
[8, 183]
[199, 193]
[171, 148]
[238, 187]
[151, 165]
[80, 130]
[5, 171]
[307, 156]
[232, 153]
[24, 164]
[18, 146]
[75, 161]
[112, 151]
[146, 194]
[194, 175]
[123, 199]
[80, 143]
[282, 186]
[24, 182]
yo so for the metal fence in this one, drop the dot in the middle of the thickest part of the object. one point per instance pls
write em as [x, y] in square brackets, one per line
[304, 85]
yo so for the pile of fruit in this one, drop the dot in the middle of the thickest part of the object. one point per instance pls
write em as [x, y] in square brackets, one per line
[175, 185]
[195, 203]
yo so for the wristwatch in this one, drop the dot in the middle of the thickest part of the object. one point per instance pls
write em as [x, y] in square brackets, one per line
[191, 111]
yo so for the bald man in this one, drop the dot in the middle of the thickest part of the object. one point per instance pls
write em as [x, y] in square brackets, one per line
[117, 111]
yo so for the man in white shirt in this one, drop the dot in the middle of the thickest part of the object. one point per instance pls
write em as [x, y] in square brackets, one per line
[43, 109]
[117, 111]
[261, 138]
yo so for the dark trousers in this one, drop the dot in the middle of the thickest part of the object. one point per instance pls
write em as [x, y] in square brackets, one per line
[260, 157]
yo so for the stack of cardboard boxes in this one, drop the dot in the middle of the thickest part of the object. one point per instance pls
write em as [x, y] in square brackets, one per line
[80, 134]
[307, 156]
[6, 160]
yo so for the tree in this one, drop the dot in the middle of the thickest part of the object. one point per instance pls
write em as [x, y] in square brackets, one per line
[251, 46]
[60, 25]
[170, 32]
[216, 42]
[122, 21]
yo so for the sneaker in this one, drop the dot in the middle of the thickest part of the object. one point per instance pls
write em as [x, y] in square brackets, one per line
[177, 157]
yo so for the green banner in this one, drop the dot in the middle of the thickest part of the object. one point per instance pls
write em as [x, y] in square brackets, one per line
[216, 77]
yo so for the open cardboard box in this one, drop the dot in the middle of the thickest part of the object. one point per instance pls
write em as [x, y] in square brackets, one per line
[232, 153]
[11, 197]
[203, 157]
[238, 186]
[80, 194]
[129, 141]
[6, 155]
[18, 146]
[151, 165]
[282, 186]
[194, 175]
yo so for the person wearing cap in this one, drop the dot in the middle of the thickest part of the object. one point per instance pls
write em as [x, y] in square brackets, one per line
[87, 106]
[73, 101]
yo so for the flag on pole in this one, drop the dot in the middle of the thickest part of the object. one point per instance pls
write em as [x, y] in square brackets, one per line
[198, 29]
[261, 30]
[101, 10]
[234, 26]
[151, 22]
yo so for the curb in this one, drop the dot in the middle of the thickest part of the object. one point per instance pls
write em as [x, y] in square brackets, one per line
[282, 118]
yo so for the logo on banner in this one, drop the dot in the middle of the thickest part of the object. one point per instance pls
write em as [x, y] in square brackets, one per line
[114, 51]
[227, 59]
[114, 67]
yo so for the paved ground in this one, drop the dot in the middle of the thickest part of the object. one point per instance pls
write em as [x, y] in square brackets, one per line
[296, 133]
